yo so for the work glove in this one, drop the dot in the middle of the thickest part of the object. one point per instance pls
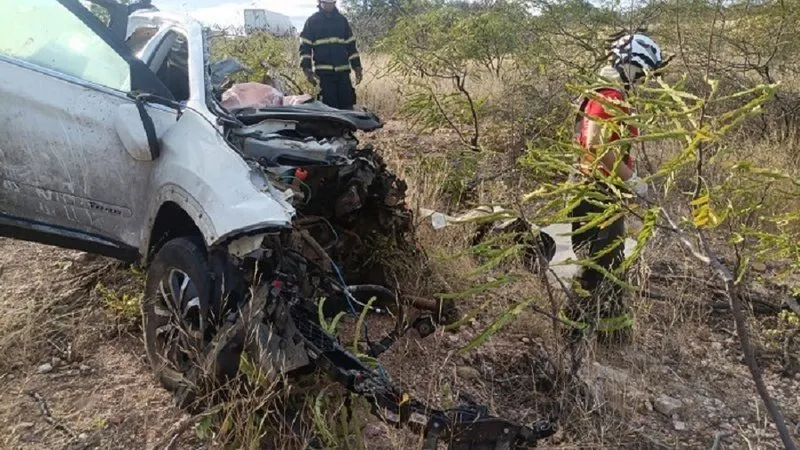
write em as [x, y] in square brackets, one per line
[359, 76]
[311, 77]
[637, 185]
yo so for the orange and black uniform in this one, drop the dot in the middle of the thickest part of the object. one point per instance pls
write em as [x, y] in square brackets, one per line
[328, 43]
[605, 307]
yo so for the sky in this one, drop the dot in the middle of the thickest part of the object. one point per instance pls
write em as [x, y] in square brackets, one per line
[230, 12]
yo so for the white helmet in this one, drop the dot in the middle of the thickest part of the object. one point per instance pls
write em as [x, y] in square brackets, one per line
[636, 50]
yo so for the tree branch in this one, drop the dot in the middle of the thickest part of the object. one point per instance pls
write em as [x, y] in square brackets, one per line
[709, 257]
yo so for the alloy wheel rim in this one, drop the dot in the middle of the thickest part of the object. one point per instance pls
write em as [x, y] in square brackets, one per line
[181, 325]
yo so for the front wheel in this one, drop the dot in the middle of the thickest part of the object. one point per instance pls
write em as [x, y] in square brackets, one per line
[176, 310]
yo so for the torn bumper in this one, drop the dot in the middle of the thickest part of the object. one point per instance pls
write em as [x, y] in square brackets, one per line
[465, 428]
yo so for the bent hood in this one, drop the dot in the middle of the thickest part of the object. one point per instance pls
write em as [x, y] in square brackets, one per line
[353, 120]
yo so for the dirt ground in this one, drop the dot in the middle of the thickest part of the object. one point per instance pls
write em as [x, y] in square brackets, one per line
[71, 376]
[100, 393]
[73, 372]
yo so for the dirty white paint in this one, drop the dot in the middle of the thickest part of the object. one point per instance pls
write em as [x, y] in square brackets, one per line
[560, 264]
[65, 163]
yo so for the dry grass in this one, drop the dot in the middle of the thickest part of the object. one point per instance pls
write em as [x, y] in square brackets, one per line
[385, 91]
[682, 347]
[614, 408]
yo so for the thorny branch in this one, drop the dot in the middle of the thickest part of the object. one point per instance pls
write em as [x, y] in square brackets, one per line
[705, 254]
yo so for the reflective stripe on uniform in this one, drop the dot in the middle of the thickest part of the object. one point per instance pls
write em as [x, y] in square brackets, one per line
[302, 57]
[605, 324]
[343, 68]
[332, 40]
[354, 56]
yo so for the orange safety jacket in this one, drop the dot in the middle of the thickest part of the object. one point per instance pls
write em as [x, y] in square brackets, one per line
[593, 109]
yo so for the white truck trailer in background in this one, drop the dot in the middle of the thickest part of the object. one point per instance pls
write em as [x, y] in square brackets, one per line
[262, 20]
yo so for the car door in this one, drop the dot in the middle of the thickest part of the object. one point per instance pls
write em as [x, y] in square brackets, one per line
[65, 175]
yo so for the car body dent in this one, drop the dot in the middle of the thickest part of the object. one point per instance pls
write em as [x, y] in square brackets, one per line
[220, 192]
[198, 170]
[195, 41]
[131, 130]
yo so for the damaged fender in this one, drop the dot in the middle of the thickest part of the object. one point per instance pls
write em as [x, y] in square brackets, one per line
[224, 196]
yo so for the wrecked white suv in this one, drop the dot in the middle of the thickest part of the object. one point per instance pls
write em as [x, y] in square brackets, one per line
[115, 149]
[113, 140]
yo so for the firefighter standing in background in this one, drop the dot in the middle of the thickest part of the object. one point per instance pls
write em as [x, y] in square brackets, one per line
[604, 307]
[327, 41]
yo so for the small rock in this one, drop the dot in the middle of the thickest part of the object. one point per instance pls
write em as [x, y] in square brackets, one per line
[45, 368]
[11, 376]
[453, 338]
[25, 425]
[610, 373]
[526, 340]
[468, 373]
[667, 405]
[759, 267]
[716, 346]
[56, 361]
[116, 420]
[85, 368]
[83, 436]
[373, 431]
[679, 426]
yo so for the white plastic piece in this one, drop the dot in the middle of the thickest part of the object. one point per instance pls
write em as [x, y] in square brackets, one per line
[438, 220]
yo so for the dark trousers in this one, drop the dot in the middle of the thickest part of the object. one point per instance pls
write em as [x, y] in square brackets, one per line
[604, 306]
[337, 90]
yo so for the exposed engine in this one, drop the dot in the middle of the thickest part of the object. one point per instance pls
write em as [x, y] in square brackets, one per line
[346, 197]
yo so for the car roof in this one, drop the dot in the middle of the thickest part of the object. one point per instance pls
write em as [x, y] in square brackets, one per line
[160, 19]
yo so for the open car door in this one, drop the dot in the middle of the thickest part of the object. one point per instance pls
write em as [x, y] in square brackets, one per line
[67, 172]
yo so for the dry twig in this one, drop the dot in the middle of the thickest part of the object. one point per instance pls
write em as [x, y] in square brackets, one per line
[48, 416]
[705, 254]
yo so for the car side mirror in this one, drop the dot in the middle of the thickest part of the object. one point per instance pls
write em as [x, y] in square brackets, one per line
[138, 135]
[139, 132]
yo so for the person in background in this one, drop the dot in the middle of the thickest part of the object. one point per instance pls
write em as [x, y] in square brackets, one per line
[328, 52]
[600, 302]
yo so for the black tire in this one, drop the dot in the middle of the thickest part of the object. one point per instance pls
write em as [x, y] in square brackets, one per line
[175, 344]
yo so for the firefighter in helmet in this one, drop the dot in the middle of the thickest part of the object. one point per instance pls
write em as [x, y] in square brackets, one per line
[599, 301]
[328, 55]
